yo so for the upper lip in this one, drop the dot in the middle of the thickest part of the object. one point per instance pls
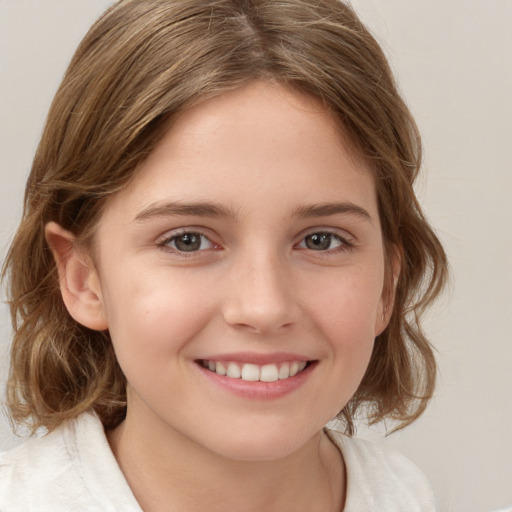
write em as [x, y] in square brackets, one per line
[256, 358]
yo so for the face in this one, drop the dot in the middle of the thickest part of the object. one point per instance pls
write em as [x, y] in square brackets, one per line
[241, 275]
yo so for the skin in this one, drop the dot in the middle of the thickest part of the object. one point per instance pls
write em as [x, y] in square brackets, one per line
[266, 157]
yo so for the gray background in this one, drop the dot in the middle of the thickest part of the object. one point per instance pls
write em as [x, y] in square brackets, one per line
[453, 62]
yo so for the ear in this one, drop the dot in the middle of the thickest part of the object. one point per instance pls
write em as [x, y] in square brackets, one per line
[393, 266]
[79, 280]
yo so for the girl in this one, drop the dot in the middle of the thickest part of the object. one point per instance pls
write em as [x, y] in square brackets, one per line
[221, 251]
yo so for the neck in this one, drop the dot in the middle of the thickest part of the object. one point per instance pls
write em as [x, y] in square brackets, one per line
[167, 471]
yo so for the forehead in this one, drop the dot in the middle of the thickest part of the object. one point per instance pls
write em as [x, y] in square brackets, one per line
[261, 143]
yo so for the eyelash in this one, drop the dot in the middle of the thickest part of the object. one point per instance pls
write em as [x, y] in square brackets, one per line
[344, 243]
[164, 244]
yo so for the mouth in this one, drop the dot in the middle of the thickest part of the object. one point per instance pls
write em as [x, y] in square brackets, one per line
[250, 372]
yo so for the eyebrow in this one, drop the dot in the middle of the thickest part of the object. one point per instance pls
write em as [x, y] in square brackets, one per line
[327, 209]
[215, 210]
[199, 209]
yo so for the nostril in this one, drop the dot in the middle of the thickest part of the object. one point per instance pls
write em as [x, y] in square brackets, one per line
[263, 328]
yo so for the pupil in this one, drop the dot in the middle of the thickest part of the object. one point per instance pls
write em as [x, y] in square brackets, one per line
[318, 241]
[188, 242]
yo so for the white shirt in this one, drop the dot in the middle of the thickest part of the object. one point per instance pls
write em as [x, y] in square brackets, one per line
[73, 469]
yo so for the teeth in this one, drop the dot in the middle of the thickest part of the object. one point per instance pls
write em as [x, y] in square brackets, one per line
[269, 373]
[220, 369]
[250, 372]
[284, 371]
[233, 371]
[253, 372]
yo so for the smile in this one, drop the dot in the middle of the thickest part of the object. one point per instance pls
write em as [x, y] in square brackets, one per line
[255, 373]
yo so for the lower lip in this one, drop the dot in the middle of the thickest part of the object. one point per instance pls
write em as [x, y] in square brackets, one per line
[259, 390]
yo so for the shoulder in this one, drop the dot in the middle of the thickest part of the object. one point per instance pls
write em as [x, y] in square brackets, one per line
[36, 464]
[72, 468]
[380, 478]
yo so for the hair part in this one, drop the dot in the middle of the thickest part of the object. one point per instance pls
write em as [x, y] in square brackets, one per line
[140, 66]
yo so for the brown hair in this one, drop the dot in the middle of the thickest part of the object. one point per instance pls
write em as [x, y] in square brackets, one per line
[142, 63]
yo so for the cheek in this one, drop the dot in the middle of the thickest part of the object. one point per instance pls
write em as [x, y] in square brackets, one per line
[348, 305]
[155, 314]
[345, 317]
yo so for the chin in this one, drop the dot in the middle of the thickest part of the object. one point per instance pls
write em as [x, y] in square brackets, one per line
[262, 445]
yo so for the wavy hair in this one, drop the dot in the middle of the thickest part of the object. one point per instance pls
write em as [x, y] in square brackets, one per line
[140, 65]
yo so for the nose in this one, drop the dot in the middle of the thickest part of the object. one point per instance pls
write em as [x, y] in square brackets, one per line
[259, 296]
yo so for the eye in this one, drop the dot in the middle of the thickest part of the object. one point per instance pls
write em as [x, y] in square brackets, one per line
[188, 242]
[323, 241]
